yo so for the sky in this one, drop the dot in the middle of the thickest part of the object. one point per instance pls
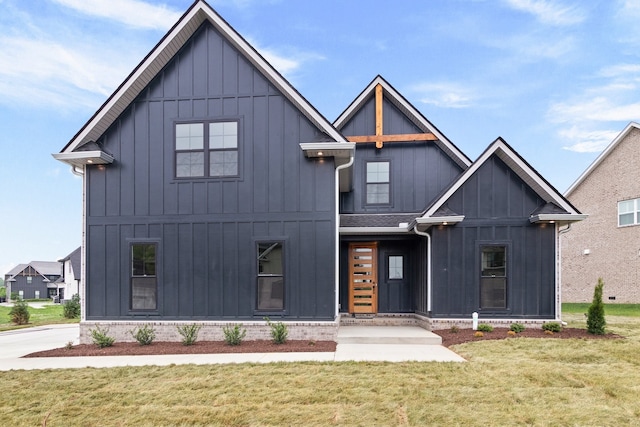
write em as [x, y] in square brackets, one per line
[558, 80]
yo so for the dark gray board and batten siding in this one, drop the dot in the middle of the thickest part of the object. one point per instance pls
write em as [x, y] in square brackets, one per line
[206, 229]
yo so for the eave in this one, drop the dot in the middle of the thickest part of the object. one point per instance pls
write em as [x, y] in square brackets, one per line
[439, 220]
[373, 230]
[556, 218]
[83, 158]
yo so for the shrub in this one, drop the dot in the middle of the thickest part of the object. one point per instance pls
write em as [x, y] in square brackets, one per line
[483, 327]
[189, 333]
[234, 335]
[478, 334]
[3, 292]
[517, 327]
[595, 315]
[279, 331]
[144, 335]
[19, 313]
[552, 327]
[454, 329]
[71, 309]
[69, 345]
[101, 337]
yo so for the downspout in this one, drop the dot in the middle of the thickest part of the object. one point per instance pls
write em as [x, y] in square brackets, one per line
[559, 252]
[337, 235]
[428, 236]
[82, 291]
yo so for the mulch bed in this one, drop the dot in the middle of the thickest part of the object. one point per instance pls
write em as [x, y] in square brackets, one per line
[200, 347]
[450, 338]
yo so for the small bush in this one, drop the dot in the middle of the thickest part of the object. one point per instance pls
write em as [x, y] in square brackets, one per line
[483, 327]
[71, 309]
[144, 335]
[517, 327]
[595, 315]
[478, 334]
[279, 331]
[454, 329]
[189, 333]
[19, 313]
[234, 335]
[552, 327]
[69, 345]
[101, 337]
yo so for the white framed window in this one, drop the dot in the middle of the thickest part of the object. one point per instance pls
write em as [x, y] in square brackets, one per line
[628, 212]
[377, 183]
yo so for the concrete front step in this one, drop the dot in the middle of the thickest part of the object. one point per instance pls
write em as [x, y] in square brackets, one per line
[387, 335]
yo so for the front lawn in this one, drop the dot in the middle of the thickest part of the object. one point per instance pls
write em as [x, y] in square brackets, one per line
[47, 315]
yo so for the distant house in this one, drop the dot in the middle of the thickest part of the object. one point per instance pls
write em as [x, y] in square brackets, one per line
[69, 283]
[34, 280]
[608, 244]
[215, 193]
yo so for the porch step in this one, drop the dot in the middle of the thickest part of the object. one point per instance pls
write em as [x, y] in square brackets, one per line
[386, 335]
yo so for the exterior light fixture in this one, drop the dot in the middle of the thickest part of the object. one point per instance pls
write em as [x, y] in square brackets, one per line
[320, 153]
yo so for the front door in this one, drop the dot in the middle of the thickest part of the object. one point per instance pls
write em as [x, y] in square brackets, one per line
[363, 278]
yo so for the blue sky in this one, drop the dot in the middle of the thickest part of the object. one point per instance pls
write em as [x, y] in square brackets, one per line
[558, 80]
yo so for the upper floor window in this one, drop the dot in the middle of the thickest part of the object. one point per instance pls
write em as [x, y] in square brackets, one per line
[629, 212]
[377, 183]
[206, 149]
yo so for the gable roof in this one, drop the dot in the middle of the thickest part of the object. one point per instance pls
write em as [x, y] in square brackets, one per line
[621, 136]
[74, 258]
[410, 112]
[43, 268]
[500, 148]
[153, 63]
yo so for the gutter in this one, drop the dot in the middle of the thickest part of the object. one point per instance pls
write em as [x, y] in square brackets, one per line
[337, 233]
[428, 236]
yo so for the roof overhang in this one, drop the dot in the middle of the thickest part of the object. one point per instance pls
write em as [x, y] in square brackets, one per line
[82, 158]
[556, 218]
[374, 230]
[342, 153]
[439, 220]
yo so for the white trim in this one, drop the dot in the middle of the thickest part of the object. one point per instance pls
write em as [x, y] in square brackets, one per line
[165, 51]
[374, 230]
[328, 149]
[602, 156]
[417, 117]
[559, 218]
[434, 220]
[81, 158]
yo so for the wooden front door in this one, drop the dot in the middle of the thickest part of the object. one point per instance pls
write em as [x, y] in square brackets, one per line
[363, 278]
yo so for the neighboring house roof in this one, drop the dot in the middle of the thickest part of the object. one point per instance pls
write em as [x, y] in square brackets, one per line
[602, 156]
[562, 211]
[74, 259]
[153, 63]
[411, 113]
[44, 268]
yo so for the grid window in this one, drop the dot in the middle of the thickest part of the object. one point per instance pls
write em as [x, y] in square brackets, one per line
[396, 267]
[377, 183]
[144, 281]
[206, 151]
[629, 212]
[270, 276]
[493, 277]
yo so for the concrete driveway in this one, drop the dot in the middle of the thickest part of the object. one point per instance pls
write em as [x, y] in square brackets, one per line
[20, 342]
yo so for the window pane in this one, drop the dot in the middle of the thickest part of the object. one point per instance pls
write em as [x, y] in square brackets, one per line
[626, 219]
[493, 292]
[143, 259]
[626, 206]
[395, 267]
[270, 293]
[190, 136]
[377, 193]
[378, 172]
[494, 261]
[270, 258]
[223, 163]
[223, 135]
[189, 164]
[143, 293]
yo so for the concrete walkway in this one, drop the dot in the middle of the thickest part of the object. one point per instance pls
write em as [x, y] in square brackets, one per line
[374, 343]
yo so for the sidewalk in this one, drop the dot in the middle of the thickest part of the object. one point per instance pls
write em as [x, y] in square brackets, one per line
[14, 344]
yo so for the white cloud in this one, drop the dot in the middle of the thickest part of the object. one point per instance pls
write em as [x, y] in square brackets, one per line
[549, 12]
[445, 94]
[133, 13]
[286, 63]
[587, 141]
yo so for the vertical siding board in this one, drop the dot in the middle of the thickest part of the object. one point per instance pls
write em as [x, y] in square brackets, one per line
[200, 193]
[230, 269]
[200, 62]
[200, 270]
[245, 189]
[324, 270]
[107, 192]
[141, 156]
[214, 51]
[260, 169]
[297, 288]
[214, 197]
[215, 260]
[246, 279]
[185, 71]
[127, 166]
[96, 293]
[170, 80]
[245, 76]
[97, 194]
[229, 70]
[230, 196]
[275, 137]
[156, 158]
[185, 198]
[185, 270]
[170, 188]
[170, 280]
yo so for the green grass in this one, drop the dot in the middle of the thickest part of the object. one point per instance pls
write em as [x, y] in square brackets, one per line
[632, 310]
[515, 382]
[49, 314]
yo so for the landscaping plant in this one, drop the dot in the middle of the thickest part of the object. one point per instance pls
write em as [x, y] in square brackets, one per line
[279, 331]
[516, 327]
[484, 327]
[552, 327]
[595, 316]
[101, 337]
[144, 335]
[189, 333]
[234, 335]
[19, 313]
[71, 309]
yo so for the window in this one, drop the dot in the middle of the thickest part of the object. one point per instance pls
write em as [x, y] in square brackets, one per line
[628, 212]
[493, 277]
[144, 283]
[270, 276]
[377, 183]
[207, 149]
[29, 279]
[396, 267]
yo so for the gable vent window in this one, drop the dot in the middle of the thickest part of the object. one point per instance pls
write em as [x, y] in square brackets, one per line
[377, 182]
[628, 212]
[206, 149]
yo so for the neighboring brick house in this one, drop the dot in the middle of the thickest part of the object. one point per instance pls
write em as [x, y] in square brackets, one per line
[607, 245]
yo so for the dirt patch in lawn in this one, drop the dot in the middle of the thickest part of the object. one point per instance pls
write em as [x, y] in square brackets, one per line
[200, 347]
[462, 336]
